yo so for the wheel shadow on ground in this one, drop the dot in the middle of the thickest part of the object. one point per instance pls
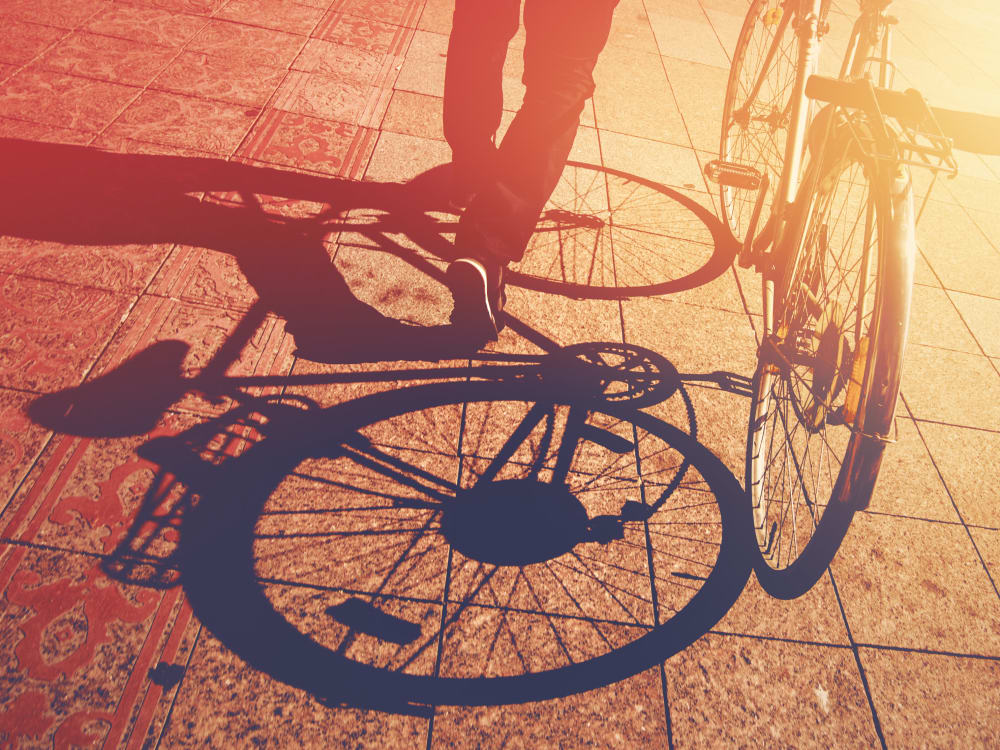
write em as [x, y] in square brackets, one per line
[525, 533]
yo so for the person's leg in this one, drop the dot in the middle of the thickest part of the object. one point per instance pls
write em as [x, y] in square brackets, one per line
[473, 94]
[564, 39]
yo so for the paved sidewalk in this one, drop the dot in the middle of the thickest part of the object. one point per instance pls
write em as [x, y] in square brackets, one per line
[223, 223]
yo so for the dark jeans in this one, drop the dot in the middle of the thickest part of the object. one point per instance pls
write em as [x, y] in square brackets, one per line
[514, 180]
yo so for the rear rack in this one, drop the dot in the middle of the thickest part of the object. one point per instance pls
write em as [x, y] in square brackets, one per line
[915, 138]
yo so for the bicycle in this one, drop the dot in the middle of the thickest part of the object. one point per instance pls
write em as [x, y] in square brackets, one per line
[834, 243]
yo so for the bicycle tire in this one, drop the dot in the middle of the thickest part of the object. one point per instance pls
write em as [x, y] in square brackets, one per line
[222, 573]
[757, 138]
[803, 397]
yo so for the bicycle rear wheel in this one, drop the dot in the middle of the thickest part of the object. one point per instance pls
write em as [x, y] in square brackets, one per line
[825, 389]
[756, 113]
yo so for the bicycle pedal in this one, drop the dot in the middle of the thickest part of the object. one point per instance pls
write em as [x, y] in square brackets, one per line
[731, 174]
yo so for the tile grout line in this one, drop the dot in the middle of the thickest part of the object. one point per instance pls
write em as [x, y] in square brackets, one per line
[857, 660]
[954, 503]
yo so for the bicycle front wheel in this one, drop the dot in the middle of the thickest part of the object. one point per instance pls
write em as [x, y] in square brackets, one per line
[825, 389]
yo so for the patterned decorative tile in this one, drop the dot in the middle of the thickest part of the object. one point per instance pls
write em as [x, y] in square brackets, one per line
[143, 24]
[79, 651]
[331, 98]
[66, 101]
[226, 79]
[218, 342]
[304, 142]
[275, 49]
[283, 15]
[20, 442]
[107, 58]
[67, 14]
[367, 33]
[50, 334]
[398, 12]
[22, 41]
[204, 277]
[194, 7]
[215, 127]
[339, 60]
[35, 131]
[118, 268]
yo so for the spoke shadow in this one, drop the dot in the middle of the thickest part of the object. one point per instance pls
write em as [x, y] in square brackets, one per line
[490, 541]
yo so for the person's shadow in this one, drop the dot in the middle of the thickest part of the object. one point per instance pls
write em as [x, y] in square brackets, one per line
[85, 196]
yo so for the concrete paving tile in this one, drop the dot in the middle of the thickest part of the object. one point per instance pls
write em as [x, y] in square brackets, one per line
[700, 93]
[814, 617]
[975, 193]
[341, 527]
[414, 114]
[283, 15]
[634, 98]
[948, 233]
[279, 713]
[726, 19]
[275, 49]
[965, 459]
[21, 442]
[564, 321]
[400, 158]
[627, 714]
[436, 16]
[394, 287]
[929, 700]
[145, 24]
[51, 98]
[225, 79]
[24, 41]
[423, 70]
[936, 381]
[630, 28]
[934, 321]
[495, 642]
[697, 339]
[908, 482]
[665, 163]
[6, 71]
[723, 690]
[988, 543]
[44, 347]
[916, 584]
[107, 58]
[78, 649]
[989, 223]
[175, 120]
[687, 37]
[982, 315]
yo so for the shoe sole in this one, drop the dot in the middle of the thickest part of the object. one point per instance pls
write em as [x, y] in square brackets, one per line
[468, 284]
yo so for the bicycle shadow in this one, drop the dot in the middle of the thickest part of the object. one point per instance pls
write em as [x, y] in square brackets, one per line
[376, 552]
